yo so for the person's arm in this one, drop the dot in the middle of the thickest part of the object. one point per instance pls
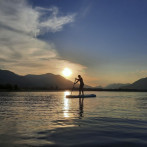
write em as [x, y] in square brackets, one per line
[77, 80]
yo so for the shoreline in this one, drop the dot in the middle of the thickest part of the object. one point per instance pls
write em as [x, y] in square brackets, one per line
[62, 90]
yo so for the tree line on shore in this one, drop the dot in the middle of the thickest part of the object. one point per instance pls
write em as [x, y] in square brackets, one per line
[15, 87]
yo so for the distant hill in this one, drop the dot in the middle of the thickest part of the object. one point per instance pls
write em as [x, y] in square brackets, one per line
[140, 84]
[116, 86]
[98, 87]
[48, 80]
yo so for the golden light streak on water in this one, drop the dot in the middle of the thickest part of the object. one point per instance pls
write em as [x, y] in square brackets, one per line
[66, 104]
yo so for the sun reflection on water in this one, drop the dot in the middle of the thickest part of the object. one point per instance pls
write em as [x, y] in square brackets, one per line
[66, 104]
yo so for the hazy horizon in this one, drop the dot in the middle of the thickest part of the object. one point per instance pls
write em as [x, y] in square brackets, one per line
[112, 85]
[104, 41]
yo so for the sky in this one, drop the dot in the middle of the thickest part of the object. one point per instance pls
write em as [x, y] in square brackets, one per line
[104, 41]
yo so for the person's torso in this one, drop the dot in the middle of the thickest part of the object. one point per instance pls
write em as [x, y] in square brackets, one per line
[81, 81]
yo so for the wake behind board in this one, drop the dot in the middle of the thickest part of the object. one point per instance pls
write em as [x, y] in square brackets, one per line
[81, 96]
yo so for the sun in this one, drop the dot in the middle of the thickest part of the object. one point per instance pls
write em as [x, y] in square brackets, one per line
[66, 72]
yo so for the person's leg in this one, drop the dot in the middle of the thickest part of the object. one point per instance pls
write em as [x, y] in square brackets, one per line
[83, 89]
[80, 90]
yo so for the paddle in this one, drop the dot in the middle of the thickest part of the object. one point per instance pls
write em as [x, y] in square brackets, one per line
[73, 86]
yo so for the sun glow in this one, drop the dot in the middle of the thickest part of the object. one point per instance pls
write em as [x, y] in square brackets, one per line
[66, 72]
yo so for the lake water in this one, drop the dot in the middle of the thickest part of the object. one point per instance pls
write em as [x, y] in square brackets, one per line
[117, 119]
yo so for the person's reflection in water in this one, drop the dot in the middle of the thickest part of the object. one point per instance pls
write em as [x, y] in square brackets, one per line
[81, 104]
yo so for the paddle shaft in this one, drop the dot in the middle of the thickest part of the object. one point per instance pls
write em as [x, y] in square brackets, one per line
[73, 86]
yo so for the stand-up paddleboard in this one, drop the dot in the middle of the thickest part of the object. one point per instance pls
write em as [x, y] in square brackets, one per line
[81, 96]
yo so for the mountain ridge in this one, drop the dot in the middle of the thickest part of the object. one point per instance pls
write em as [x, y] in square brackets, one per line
[116, 85]
[47, 80]
[140, 84]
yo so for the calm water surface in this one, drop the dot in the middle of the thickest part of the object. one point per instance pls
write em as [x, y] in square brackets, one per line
[117, 119]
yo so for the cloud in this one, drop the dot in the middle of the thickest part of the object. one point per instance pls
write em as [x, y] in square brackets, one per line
[54, 23]
[19, 16]
[20, 49]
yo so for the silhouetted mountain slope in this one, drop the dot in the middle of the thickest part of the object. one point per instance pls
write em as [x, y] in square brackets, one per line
[116, 86]
[47, 80]
[9, 77]
[35, 81]
[141, 84]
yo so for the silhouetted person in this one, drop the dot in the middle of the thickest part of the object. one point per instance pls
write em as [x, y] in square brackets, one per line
[80, 79]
